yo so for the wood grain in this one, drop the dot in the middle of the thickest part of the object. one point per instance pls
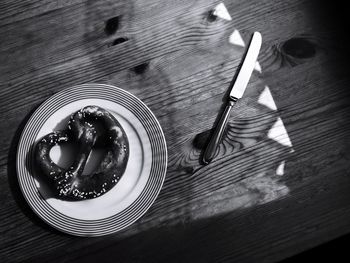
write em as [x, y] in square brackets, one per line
[176, 57]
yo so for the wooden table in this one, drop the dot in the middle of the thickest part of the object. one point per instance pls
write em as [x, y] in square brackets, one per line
[280, 182]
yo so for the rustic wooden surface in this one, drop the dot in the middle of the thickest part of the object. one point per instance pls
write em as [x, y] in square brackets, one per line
[176, 57]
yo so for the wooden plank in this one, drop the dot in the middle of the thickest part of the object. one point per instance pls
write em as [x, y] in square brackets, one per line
[180, 64]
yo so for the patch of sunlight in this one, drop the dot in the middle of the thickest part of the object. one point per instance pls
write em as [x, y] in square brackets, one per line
[257, 67]
[236, 39]
[279, 133]
[266, 99]
[221, 11]
[265, 185]
[280, 168]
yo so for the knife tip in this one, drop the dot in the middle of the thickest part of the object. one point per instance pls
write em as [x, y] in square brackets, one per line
[257, 35]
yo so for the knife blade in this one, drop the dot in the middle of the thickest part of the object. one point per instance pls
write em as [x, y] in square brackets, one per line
[237, 86]
[241, 82]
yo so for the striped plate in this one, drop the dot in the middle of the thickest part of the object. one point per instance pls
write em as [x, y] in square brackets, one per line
[137, 189]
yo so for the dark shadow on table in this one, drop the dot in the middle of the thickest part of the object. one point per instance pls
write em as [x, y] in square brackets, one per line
[330, 22]
[216, 239]
[333, 251]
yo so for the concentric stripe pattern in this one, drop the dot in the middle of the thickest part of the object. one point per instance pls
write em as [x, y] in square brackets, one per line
[120, 220]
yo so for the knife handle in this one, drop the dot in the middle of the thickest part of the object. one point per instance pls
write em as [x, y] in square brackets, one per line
[218, 132]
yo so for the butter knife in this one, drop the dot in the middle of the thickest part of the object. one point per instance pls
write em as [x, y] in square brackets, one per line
[237, 86]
